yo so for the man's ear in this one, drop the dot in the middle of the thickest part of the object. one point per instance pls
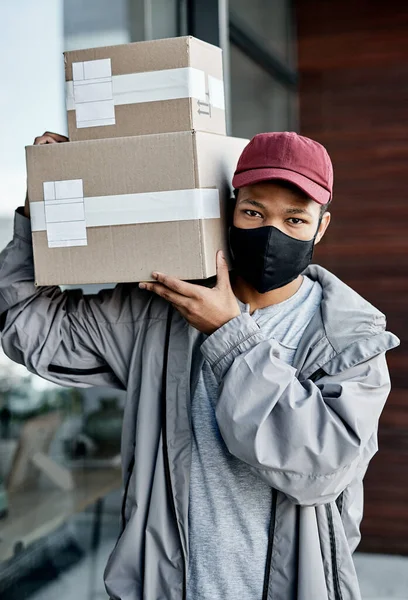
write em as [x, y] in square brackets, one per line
[325, 222]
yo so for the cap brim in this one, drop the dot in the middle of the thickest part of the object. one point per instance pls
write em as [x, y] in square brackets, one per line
[318, 193]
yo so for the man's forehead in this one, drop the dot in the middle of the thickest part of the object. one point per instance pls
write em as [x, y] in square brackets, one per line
[273, 188]
[274, 194]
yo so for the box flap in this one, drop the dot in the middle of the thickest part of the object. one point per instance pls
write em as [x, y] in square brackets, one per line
[156, 162]
[137, 57]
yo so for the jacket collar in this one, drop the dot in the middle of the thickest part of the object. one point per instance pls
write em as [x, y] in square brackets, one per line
[347, 329]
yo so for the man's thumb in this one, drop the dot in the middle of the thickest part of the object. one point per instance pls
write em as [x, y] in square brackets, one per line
[222, 269]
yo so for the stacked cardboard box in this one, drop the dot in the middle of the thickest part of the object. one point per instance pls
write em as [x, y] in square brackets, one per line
[143, 183]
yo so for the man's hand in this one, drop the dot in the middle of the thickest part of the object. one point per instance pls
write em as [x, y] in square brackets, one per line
[205, 309]
[46, 138]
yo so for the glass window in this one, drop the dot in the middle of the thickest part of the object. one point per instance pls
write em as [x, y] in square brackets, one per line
[164, 18]
[92, 23]
[271, 23]
[258, 102]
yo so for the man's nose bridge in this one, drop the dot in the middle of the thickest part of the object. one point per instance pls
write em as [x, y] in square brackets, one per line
[274, 222]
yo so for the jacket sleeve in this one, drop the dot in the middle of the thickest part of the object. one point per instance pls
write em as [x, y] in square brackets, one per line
[65, 337]
[307, 440]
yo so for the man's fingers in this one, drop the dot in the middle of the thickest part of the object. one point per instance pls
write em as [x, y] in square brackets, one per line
[181, 287]
[49, 138]
[57, 136]
[222, 270]
[164, 292]
[44, 139]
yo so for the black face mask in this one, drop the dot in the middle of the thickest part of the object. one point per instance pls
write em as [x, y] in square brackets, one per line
[267, 258]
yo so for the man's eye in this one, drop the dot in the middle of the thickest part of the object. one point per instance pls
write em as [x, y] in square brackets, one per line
[295, 221]
[252, 213]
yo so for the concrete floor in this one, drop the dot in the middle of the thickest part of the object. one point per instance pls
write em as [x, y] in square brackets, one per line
[381, 578]
[82, 582]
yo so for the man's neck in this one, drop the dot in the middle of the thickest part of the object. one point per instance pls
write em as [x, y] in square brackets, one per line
[248, 295]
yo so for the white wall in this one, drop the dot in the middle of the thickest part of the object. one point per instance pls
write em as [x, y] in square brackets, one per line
[31, 99]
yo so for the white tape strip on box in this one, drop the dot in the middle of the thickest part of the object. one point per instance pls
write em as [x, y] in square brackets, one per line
[65, 216]
[94, 91]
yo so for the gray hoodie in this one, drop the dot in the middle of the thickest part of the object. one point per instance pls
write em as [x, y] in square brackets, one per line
[309, 432]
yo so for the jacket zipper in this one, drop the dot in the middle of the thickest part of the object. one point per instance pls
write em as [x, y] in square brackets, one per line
[329, 513]
[339, 503]
[336, 581]
[270, 546]
[165, 450]
[126, 491]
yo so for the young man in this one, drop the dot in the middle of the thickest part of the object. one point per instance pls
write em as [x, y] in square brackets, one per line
[252, 406]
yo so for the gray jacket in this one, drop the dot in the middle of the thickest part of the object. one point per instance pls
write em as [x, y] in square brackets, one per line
[309, 430]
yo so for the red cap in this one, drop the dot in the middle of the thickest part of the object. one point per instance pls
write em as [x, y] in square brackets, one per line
[288, 156]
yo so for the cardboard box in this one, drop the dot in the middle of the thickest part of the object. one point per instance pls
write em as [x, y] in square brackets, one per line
[158, 86]
[110, 211]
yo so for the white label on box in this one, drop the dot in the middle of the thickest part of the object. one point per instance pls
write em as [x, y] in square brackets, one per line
[94, 69]
[94, 99]
[70, 189]
[103, 110]
[62, 214]
[67, 244]
[78, 71]
[66, 223]
[49, 190]
[66, 232]
[92, 93]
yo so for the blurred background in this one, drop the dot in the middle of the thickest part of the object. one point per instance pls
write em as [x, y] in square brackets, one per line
[333, 70]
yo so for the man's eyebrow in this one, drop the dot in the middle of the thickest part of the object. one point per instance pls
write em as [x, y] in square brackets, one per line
[253, 203]
[298, 211]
